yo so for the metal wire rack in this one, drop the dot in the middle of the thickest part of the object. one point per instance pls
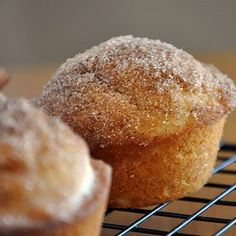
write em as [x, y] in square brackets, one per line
[211, 211]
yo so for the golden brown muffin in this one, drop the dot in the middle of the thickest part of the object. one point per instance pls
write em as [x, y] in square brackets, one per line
[48, 184]
[147, 108]
[4, 78]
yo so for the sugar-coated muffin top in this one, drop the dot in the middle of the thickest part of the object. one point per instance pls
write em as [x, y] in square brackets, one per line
[131, 89]
[45, 169]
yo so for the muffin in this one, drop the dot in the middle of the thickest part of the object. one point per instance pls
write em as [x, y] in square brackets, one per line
[4, 77]
[150, 110]
[49, 185]
[2, 98]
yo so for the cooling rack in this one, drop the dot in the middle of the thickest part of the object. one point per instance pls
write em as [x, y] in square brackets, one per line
[211, 211]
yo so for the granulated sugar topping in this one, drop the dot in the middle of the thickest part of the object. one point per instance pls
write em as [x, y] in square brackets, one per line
[45, 169]
[136, 88]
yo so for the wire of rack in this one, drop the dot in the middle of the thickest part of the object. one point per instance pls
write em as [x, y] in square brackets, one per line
[225, 224]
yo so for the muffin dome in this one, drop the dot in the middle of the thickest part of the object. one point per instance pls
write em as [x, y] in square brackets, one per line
[45, 169]
[136, 89]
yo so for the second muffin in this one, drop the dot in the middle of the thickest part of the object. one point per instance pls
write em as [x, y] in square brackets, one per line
[49, 185]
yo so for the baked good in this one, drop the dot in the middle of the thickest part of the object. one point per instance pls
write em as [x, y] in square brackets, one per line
[150, 110]
[49, 185]
[4, 77]
[2, 97]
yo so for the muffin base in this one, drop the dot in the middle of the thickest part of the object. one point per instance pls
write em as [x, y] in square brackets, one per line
[165, 169]
[89, 217]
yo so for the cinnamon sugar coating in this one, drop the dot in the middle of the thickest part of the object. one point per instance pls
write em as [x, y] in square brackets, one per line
[43, 167]
[135, 89]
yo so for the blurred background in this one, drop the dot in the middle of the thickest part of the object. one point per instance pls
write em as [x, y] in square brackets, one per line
[45, 31]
